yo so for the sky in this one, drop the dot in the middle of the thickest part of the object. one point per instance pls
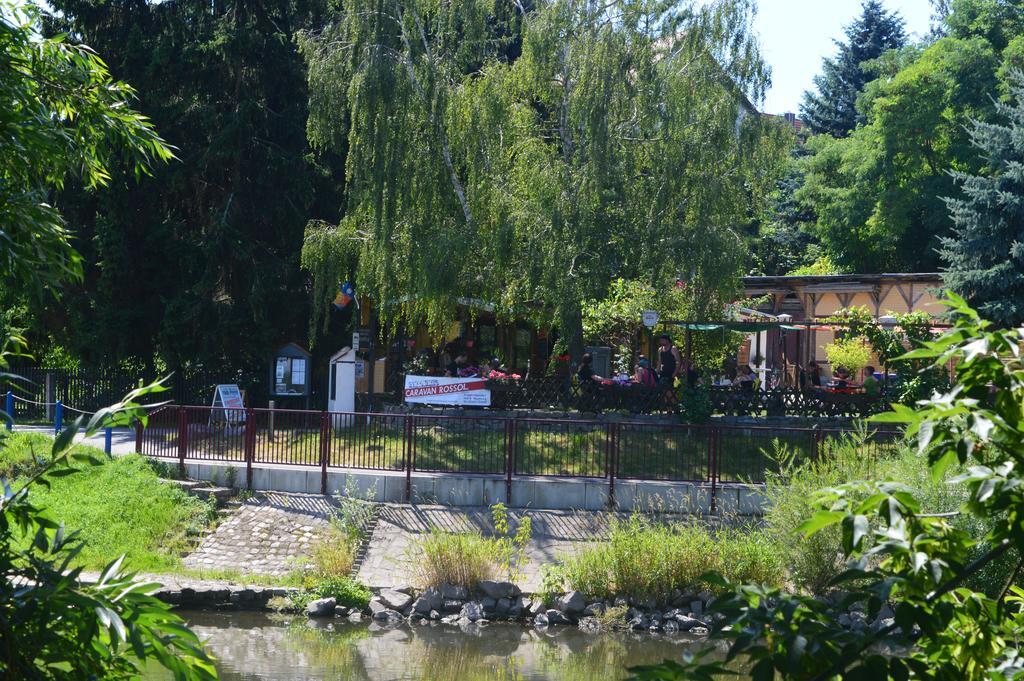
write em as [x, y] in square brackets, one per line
[797, 34]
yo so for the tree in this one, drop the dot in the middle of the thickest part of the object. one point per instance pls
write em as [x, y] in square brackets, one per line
[833, 108]
[985, 254]
[63, 115]
[535, 180]
[877, 193]
[210, 244]
[900, 556]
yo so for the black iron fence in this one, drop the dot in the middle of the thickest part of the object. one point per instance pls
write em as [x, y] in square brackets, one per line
[489, 444]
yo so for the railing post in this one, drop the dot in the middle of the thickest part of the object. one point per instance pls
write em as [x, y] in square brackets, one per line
[270, 422]
[613, 462]
[408, 449]
[325, 449]
[58, 418]
[510, 453]
[182, 438]
[250, 445]
[138, 436]
[49, 395]
[9, 408]
[713, 455]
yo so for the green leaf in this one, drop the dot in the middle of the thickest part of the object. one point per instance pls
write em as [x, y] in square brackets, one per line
[818, 521]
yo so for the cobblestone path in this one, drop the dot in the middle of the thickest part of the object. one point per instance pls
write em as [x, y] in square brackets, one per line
[271, 534]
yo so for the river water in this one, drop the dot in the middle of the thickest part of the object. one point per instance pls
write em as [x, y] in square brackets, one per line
[256, 646]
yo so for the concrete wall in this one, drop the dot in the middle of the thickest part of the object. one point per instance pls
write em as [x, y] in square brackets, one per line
[484, 490]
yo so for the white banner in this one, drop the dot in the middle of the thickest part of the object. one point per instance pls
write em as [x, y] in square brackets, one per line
[439, 390]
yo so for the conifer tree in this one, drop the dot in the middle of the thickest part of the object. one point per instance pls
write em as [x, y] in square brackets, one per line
[833, 108]
[985, 257]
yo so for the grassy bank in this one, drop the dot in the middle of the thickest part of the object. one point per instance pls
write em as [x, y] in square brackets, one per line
[120, 507]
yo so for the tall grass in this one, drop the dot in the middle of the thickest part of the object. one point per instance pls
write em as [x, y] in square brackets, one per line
[644, 560]
[463, 559]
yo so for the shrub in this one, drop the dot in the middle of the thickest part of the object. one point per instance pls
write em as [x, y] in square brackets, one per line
[463, 559]
[852, 353]
[345, 590]
[642, 560]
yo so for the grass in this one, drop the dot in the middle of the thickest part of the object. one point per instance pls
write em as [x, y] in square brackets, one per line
[649, 452]
[463, 559]
[119, 507]
[643, 560]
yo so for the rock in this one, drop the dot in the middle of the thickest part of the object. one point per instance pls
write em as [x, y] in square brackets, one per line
[433, 598]
[590, 624]
[686, 623]
[421, 605]
[376, 605]
[697, 608]
[451, 592]
[472, 611]
[488, 603]
[844, 621]
[497, 590]
[540, 620]
[340, 611]
[673, 613]
[536, 606]
[355, 616]
[670, 626]
[882, 623]
[395, 600]
[594, 609]
[503, 606]
[450, 619]
[404, 589]
[435, 615]
[556, 617]
[637, 623]
[321, 607]
[571, 603]
[387, 615]
[621, 602]
[645, 604]
[452, 605]
[699, 631]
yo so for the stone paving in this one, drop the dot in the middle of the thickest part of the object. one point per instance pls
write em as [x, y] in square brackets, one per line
[391, 555]
[271, 534]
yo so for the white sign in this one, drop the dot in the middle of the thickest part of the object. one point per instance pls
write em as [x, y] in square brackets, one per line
[228, 398]
[355, 340]
[298, 371]
[438, 390]
[650, 318]
[282, 367]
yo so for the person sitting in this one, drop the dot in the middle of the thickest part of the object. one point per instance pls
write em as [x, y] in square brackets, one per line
[841, 379]
[644, 374]
[812, 376]
[745, 379]
[585, 371]
[870, 383]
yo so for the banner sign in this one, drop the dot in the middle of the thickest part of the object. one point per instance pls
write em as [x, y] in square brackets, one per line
[438, 390]
[228, 398]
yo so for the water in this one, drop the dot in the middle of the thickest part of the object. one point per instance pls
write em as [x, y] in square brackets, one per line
[255, 646]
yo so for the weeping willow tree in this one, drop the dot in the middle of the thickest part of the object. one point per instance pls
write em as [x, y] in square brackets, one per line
[529, 154]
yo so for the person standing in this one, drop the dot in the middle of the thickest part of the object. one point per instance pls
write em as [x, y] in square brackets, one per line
[669, 361]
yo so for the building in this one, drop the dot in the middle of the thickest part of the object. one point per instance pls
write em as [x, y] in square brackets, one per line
[805, 302]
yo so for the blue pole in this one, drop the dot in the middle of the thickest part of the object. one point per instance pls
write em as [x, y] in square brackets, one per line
[106, 439]
[10, 409]
[58, 417]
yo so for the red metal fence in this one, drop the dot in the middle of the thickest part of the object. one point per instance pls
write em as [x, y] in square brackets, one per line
[486, 444]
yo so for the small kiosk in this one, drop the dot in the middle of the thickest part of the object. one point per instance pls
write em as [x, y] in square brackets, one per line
[290, 373]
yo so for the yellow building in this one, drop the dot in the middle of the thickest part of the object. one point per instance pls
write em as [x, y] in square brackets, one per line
[809, 300]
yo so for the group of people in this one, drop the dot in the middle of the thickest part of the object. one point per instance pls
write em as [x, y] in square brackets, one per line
[671, 366]
[841, 380]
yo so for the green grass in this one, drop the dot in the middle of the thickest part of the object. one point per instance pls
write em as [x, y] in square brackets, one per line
[649, 452]
[119, 507]
[643, 560]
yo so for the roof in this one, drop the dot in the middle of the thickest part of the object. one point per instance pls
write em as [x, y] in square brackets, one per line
[825, 279]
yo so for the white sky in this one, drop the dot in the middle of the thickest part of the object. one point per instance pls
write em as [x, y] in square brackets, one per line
[797, 34]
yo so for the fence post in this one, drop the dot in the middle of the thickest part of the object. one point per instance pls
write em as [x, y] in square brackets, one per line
[250, 445]
[713, 455]
[182, 439]
[408, 448]
[613, 462]
[50, 395]
[9, 408]
[58, 418]
[325, 449]
[270, 422]
[138, 436]
[510, 454]
[107, 436]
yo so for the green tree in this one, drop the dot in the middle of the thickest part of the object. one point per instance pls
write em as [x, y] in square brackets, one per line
[209, 246]
[916, 564]
[534, 181]
[985, 255]
[833, 108]
[63, 115]
[877, 193]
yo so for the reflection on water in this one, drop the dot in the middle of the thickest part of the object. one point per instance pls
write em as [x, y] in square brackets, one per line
[253, 646]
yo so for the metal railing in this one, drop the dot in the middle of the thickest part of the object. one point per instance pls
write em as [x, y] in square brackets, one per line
[711, 455]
